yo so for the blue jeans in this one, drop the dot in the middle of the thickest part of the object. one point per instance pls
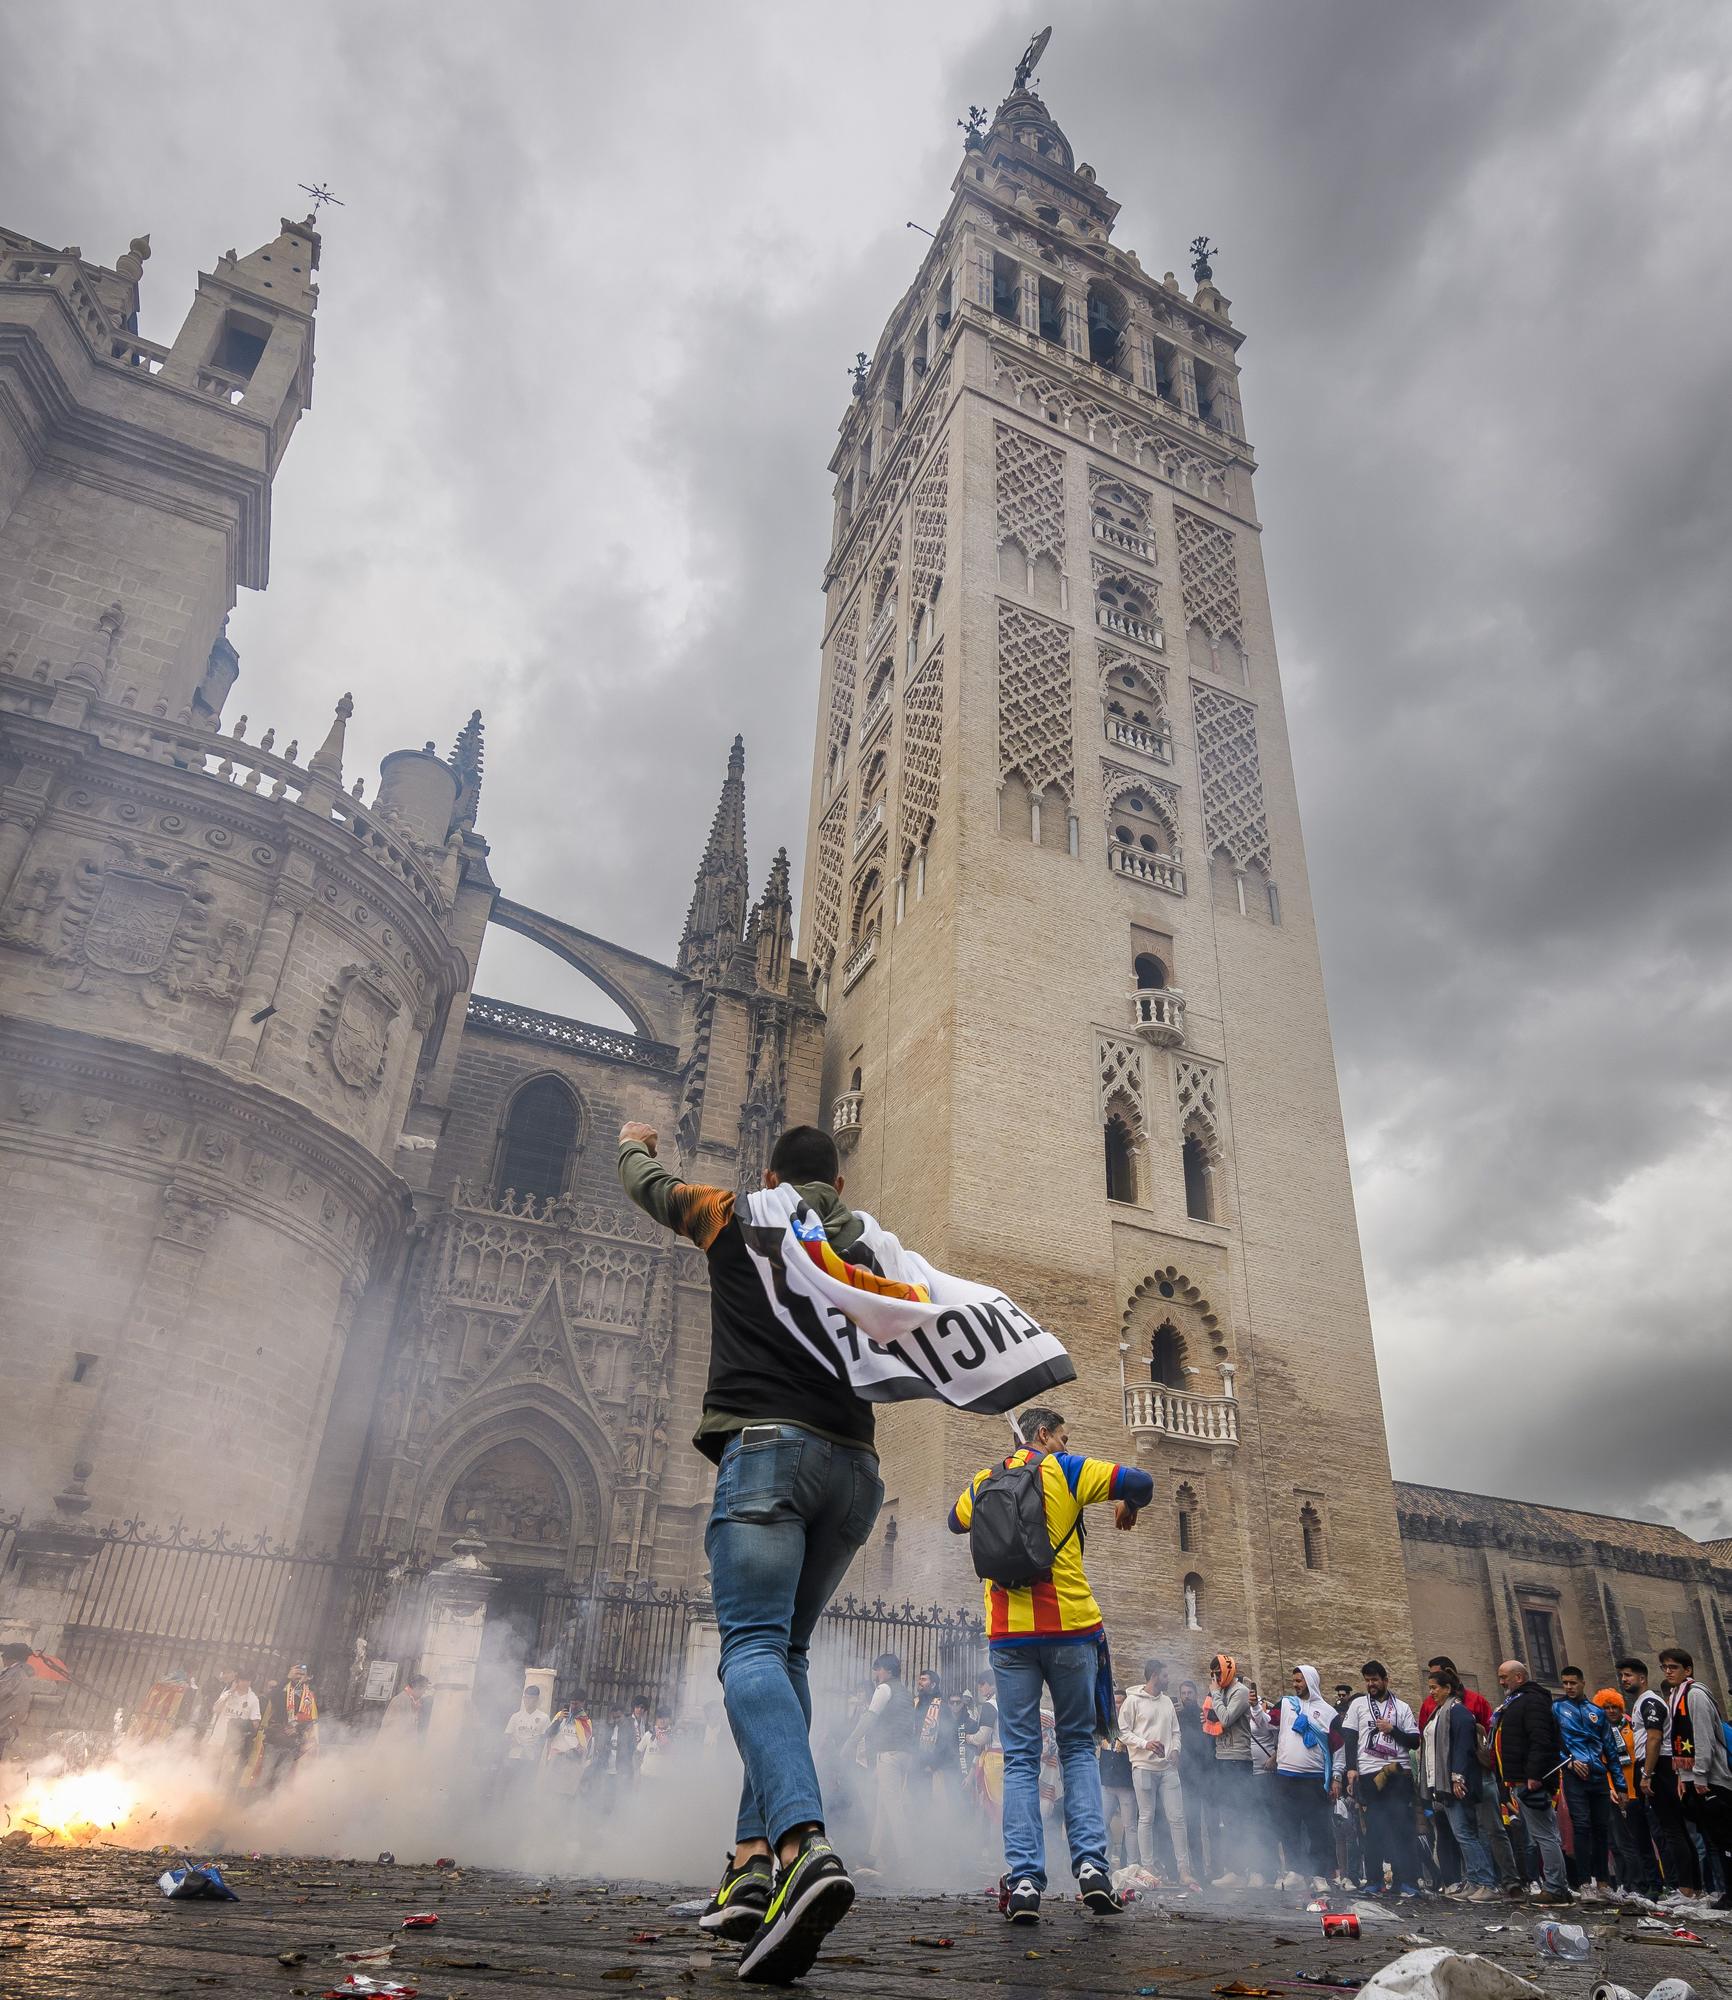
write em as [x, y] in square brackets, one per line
[1463, 1817]
[790, 1512]
[1068, 1669]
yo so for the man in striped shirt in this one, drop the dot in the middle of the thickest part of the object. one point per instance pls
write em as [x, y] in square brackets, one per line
[1044, 1635]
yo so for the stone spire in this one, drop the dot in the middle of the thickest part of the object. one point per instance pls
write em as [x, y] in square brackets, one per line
[718, 910]
[466, 760]
[772, 928]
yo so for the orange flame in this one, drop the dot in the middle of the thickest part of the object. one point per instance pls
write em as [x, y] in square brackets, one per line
[76, 1808]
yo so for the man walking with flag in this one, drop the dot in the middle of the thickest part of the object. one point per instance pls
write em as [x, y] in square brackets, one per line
[815, 1315]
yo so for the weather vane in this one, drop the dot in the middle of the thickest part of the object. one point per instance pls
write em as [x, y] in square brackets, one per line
[321, 194]
[1030, 56]
[858, 371]
[1201, 251]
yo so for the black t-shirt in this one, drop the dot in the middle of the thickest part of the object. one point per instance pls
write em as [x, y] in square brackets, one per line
[759, 1371]
[1115, 1767]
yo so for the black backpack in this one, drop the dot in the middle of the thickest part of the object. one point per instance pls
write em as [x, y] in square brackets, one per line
[1007, 1532]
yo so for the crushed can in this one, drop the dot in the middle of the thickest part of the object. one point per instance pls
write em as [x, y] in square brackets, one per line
[1321, 1904]
[1340, 1924]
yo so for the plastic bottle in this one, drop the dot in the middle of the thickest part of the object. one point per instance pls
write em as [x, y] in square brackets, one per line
[1568, 1941]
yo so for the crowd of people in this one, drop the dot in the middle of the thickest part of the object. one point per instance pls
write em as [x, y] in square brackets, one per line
[815, 1313]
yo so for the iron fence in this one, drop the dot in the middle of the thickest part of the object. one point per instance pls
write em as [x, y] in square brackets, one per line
[148, 1605]
[612, 1646]
[152, 1604]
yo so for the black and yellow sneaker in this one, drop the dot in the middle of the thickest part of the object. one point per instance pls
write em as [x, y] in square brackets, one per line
[813, 1894]
[737, 1908]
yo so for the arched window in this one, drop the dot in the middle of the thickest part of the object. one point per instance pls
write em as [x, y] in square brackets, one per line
[1125, 596]
[1151, 973]
[1193, 1603]
[872, 779]
[868, 906]
[893, 382]
[1199, 1180]
[1186, 1510]
[1121, 1153]
[1006, 286]
[1108, 318]
[1311, 1535]
[539, 1140]
[854, 1082]
[1167, 1357]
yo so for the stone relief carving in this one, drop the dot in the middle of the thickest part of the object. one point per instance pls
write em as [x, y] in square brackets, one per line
[188, 1216]
[26, 922]
[354, 1027]
[135, 916]
[511, 1494]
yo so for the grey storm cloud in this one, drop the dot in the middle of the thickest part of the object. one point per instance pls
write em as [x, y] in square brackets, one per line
[582, 350]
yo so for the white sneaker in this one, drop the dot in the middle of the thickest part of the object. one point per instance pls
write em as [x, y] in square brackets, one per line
[1228, 1882]
[1320, 1884]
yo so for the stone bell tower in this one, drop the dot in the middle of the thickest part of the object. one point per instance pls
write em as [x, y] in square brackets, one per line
[1057, 909]
[217, 965]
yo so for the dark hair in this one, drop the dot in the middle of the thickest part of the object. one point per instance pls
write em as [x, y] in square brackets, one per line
[1037, 1417]
[1678, 1657]
[1633, 1666]
[804, 1153]
[1562, 1671]
[1443, 1662]
[1374, 1667]
[1151, 1668]
[1445, 1674]
[13, 1654]
[891, 1664]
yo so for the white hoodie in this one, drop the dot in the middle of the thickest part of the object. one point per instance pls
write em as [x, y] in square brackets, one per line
[1294, 1757]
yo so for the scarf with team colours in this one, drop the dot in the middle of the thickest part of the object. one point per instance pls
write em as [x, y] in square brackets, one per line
[914, 1331]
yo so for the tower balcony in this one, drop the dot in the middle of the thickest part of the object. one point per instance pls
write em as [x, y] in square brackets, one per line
[1138, 630]
[877, 714]
[1157, 870]
[845, 1120]
[1126, 543]
[1176, 1413]
[870, 821]
[882, 627]
[1158, 1014]
[857, 961]
[1144, 740]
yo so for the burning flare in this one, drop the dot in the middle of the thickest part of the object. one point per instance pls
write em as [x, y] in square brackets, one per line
[77, 1807]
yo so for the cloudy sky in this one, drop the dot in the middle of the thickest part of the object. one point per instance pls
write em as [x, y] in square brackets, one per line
[582, 342]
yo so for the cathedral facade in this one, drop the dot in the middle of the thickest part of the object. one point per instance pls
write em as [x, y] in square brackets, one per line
[1056, 909]
[301, 1235]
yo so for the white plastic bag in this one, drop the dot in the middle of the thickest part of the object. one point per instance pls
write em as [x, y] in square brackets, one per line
[1441, 1974]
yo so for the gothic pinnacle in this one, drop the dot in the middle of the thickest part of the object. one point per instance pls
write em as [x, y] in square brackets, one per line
[327, 760]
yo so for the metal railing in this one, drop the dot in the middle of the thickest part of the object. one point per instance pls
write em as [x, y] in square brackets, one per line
[1174, 1413]
[583, 1036]
[150, 1604]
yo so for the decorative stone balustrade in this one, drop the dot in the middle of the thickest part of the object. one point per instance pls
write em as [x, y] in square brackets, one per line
[1117, 538]
[1155, 869]
[854, 967]
[1156, 743]
[870, 821]
[583, 1036]
[1174, 1413]
[882, 627]
[1159, 1015]
[219, 385]
[845, 1120]
[877, 714]
[1130, 628]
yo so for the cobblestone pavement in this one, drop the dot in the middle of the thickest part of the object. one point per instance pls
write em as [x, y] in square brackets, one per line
[90, 1923]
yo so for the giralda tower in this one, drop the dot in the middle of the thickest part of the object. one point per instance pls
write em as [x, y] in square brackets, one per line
[1056, 901]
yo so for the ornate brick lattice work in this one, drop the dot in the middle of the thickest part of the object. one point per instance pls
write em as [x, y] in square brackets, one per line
[1209, 576]
[1030, 494]
[1034, 700]
[1235, 822]
[842, 674]
[827, 887]
[927, 524]
[1119, 1066]
[922, 728]
[1113, 430]
[1197, 1090]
